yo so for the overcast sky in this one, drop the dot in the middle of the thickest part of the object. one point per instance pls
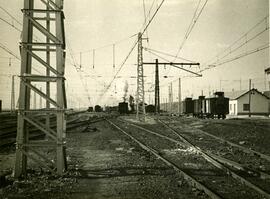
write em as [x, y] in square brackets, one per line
[98, 24]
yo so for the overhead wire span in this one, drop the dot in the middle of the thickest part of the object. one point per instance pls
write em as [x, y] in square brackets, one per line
[174, 65]
[10, 24]
[258, 49]
[78, 70]
[8, 13]
[263, 47]
[244, 36]
[107, 45]
[191, 26]
[167, 54]
[9, 51]
[247, 41]
[104, 46]
[145, 18]
[14, 55]
[131, 50]
[36, 38]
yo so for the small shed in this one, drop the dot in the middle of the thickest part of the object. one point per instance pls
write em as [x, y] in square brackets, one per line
[239, 102]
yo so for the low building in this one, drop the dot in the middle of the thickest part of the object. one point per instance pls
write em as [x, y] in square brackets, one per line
[239, 102]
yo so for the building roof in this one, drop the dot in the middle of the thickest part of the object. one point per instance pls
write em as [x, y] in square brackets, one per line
[234, 95]
[267, 93]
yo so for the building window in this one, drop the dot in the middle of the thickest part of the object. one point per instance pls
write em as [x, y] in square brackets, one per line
[245, 107]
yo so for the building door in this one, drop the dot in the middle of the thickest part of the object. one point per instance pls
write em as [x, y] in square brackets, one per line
[234, 111]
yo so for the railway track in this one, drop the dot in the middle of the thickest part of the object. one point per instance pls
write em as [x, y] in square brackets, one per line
[9, 128]
[204, 171]
[232, 154]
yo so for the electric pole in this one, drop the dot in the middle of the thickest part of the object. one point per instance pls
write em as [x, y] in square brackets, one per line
[179, 97]
[54, 41]
[48, 60]
[170, 97]
[12, 103]
[249, 99]
[157, 97]
[174, 64]
[140, 82]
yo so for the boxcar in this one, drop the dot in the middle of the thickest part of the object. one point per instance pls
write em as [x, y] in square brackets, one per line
[98, 108]
[217, 106]
[90, 109]
[222, 105]
[123, 108]
[188, 106]
[150, 108]
[199, 107]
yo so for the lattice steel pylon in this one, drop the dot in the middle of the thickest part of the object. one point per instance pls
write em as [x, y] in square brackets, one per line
[140, 82]
[54, 43]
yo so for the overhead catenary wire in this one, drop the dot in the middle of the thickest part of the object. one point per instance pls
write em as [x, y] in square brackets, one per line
[10, 24]
[14, 55]
[107, 45]
[8, 13]
[191, 26]
[93, 50]
[171, 64]
[36, 38]
[131, 50]
[230, 49]
[247, 41]
[145, 19]
[258, 49]
[167, 54]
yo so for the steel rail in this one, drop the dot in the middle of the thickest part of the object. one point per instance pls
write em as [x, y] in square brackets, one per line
[191, 181]
[35, 133]
[244, 149]
[215, 162]
[222, 160]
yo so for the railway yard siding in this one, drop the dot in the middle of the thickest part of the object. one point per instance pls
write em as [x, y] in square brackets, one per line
[119, 157]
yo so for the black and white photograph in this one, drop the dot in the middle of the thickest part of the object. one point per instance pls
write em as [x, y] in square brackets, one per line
[134, 99]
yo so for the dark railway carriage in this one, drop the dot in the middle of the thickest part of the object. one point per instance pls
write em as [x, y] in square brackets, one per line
[210, 107]
[199, 107]
[123, 108]
[98, 108]
[150, 108]
[217, 106]
[222, 105]
[188, 106]
[90, 109]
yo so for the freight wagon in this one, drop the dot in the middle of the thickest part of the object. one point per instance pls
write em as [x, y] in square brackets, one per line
[213, 107]
[199, 107]
[217, 106]
[123, 108]
[188, 106]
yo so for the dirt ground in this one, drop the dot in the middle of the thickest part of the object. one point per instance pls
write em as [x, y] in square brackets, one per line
[251, 132]
[104, 163]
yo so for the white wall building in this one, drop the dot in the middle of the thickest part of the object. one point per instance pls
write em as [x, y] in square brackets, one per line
[239, 103]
